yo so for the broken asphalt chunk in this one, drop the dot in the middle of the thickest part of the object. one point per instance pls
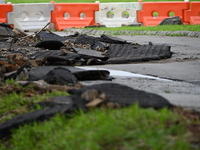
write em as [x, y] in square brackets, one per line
[40, 115]
[40, 73]
[125, 96]
[171, 21]
[73, 56]
[89, 53]
[50, 44]
[126, 53]
[112, 39]
[57, 60]
[44, 53]
[85, 39]
[46, 36]
[60, 76]
[6, 30]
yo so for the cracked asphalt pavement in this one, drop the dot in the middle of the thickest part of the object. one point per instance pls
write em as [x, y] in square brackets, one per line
[182, 69]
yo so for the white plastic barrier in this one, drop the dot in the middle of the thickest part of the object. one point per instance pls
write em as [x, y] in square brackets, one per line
[2, 1]
[30, 17]
[116, 14]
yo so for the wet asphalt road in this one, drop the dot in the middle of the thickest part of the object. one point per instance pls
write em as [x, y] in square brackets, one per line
[182, 70]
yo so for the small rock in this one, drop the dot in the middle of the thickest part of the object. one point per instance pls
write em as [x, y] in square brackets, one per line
[61, 76]
[6, 67]
[94, 103]
[90, 95]
[94, 98]
[171, 21]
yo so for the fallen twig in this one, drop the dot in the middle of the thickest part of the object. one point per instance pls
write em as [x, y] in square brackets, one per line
[37, 31]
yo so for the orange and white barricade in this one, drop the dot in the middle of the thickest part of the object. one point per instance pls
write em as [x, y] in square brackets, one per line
[116, 14]
[78, 15]
[153, 13]
[30, 16]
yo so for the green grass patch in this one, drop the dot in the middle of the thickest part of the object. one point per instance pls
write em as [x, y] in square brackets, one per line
[146, 30]
[105, 129]
[151, 28]
[15, 99]
[15, 104]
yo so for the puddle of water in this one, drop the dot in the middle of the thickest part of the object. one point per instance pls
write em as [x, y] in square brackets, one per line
[119, 73]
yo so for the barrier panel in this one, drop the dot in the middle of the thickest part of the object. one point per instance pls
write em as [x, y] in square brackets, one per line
[193, 14]
[116, 14]
[154, 12]
[31, 17]
[68, 15]
[4, 9]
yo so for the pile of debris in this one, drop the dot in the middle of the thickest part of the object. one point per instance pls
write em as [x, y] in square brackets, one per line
[19, 51]
[51, 58]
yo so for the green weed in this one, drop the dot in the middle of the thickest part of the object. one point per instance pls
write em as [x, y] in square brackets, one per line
[17, 103]
[151, 28]
[127, 128]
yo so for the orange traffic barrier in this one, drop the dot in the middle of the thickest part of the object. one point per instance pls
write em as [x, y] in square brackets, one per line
[4, 8]
[78, 15]
[153, 13]
[193, 14]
